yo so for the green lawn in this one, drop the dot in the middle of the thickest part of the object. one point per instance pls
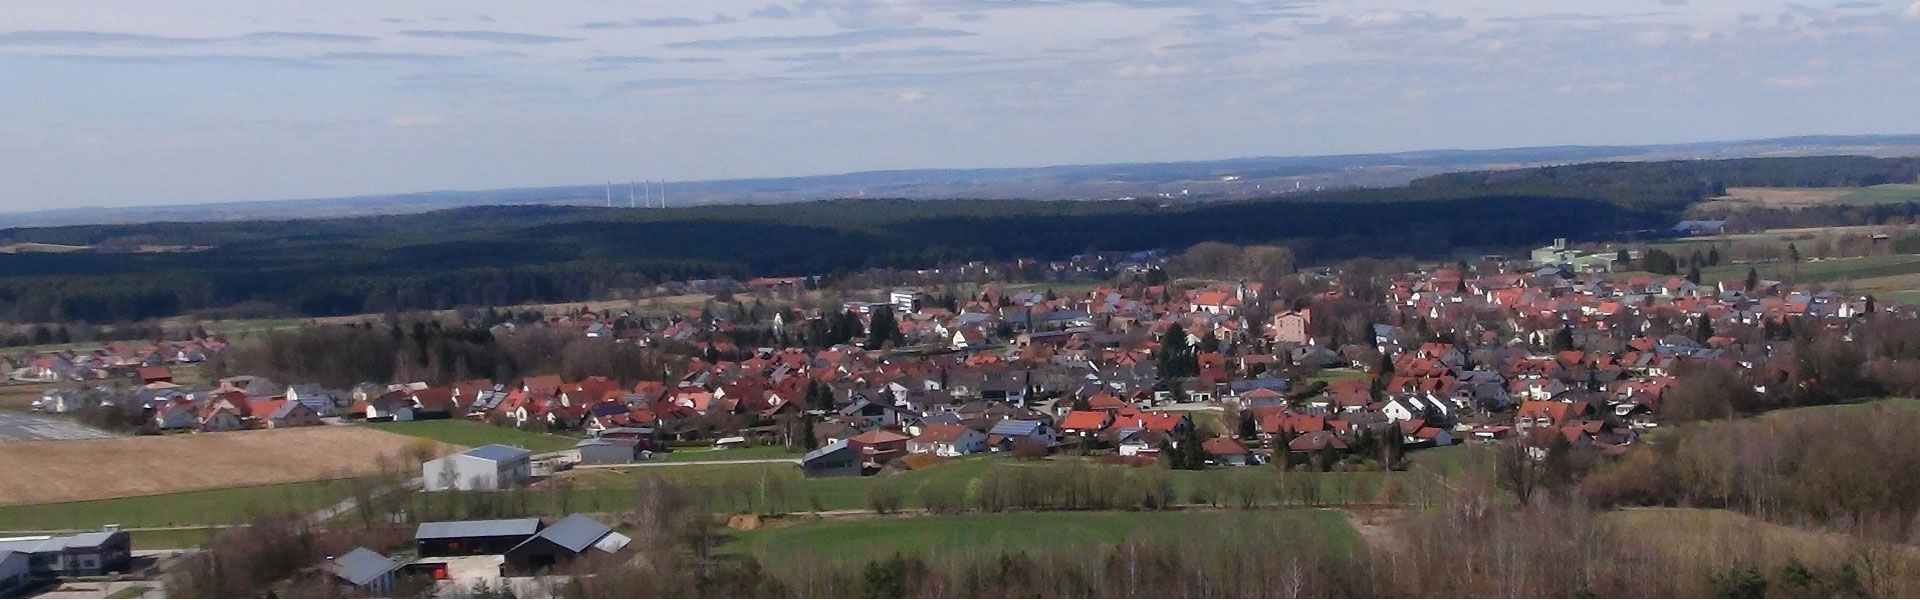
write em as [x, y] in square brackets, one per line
[1809, 271]
[737, 487]
[752, 453]
[731, 488]
[858, 540]
[1449, 461]
[471, 434]
[1889, 403]
[1332, 375]
[205, 507]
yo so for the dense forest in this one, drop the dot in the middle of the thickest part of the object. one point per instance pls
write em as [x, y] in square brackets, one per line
[1674, 185]
[509, 255]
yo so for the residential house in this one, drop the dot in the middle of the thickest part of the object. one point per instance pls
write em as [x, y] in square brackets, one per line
[1291, 327]
[948, 440]
[176, 413]
[392, 406]
[1007, 433]
[879, 446]
[1227, 451]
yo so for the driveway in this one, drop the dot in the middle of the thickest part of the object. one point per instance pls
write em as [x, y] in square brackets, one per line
[18, 426]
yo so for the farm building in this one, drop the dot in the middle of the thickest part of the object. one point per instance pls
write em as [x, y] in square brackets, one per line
[86, 554]
[563, 542]
[364, 572]
[838, 459]
[608, 451]
[489, 467]
[471, 538]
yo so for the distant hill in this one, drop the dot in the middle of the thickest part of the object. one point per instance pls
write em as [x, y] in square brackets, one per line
[504, 255]
[1228, 179]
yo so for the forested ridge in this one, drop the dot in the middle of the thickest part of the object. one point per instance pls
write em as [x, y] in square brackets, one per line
[520, 254]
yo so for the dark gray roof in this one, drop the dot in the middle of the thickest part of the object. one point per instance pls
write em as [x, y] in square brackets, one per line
[492, 528]
[35, 545]
[498, 453]
[627, 442]
[361, 566]
[625, 430]
[59, 543]
[576, 532]
[824, 450]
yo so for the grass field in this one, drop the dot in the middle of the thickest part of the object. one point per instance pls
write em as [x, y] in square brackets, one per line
[1893, 193]
[753, 453]
[69, 470]
[472, 434]
[1896, 276]
[1893, 403]
[1681, 529]
[1332, 375]
[613, 489]
[1450, 460]
[205, 507]
[859, 540]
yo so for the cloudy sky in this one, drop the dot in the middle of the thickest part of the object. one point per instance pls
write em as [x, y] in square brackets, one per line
[142, 102]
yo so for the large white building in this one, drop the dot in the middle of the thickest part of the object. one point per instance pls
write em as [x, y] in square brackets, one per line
[489, 467]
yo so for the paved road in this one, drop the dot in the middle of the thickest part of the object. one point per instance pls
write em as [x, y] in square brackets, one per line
[19, 426]
[694, 463]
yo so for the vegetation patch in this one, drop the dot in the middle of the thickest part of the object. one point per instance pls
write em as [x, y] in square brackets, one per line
[731, 454]
[205, 507]
[471, 434]
[852, 541]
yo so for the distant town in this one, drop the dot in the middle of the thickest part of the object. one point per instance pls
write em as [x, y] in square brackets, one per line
[1390, 382]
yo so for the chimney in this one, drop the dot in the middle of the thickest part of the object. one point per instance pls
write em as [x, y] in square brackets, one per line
[1559, 243]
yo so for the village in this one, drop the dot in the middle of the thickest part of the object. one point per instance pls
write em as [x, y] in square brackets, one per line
[1325, 370]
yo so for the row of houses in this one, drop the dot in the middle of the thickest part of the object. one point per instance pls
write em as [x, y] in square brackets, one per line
[113, 360]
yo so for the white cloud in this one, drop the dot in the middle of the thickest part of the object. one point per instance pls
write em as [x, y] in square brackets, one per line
[910, 96]
[1912, 12]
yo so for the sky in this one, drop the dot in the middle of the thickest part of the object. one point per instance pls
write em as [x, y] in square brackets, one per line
[137, 102]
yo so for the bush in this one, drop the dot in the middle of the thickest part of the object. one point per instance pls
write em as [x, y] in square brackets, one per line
[885, 497]
[1030, 448]
[941, 499]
